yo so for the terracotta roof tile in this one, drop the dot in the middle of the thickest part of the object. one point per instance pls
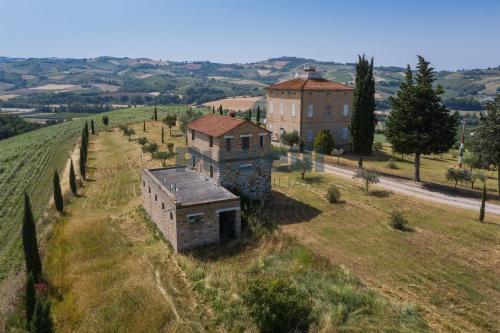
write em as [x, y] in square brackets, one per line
[309, 84]
[215, 125]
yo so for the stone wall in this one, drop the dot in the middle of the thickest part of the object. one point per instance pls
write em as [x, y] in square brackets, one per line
[252, 177]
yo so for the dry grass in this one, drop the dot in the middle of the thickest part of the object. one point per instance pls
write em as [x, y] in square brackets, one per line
[235, 103]
[448, 265]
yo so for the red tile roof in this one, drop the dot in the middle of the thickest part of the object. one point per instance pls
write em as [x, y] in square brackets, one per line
[310, 84]
[215, 125]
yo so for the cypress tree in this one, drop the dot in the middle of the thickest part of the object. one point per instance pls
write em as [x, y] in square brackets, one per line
[483, 203]
[72, 179]
[41, 321]
[144, 126]
[30, 301]
[213, 109]
[58, 198]
[155, 115]
[419, 123]
[162, 135]
[250, 114]
[362, 126]
[82, 163]
[220, 110]
[86, 129]
[257, 117]
[92, 126]
[30, 243]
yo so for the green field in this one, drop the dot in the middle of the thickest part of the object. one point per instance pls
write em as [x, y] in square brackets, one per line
[27, 163]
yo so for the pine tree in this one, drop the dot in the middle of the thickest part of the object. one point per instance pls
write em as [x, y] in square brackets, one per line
[483, 203]
[362, 126]
[419, 123]
[155, 115]
[58, 198]
[30, 301]
[220, 110]
[30, 243]
[162, 135]
[82, 163]
[41, 321]
[72, 179]
[92, 126]
[257, 117]
[144, 127]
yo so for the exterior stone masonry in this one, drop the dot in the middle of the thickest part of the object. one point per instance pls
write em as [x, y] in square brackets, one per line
[308, 105]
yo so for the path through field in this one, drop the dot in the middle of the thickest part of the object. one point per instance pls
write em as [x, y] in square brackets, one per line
[108, 266]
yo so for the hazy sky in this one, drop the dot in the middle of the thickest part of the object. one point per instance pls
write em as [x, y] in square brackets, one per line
[451, 34]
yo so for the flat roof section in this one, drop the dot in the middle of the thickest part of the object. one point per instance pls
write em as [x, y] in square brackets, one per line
[190, 187]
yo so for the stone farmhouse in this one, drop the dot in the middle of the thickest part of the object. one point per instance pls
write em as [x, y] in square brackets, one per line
[308, 104]
[192, 205]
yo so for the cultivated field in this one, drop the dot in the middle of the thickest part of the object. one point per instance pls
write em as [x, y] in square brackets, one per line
[236, 103]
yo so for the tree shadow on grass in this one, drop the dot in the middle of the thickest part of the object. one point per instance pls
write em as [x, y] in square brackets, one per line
[381, 193]
[286, 210]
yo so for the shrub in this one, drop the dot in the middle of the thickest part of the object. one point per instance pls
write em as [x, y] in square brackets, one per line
[377, 145]
[142, 141]
[398, 222]
[333, 194]
[323, 142]
[170, 147]
[369, 177]
[277, 306]
[392, 164]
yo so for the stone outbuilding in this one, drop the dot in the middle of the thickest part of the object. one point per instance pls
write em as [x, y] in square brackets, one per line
[189, 208]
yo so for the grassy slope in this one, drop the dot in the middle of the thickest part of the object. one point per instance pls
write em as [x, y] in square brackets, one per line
[432, 169]
[105, 261]
[27, 163]
[448, 265]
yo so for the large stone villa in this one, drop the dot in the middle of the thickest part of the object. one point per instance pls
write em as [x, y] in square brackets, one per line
[192, 205]
[308, 104]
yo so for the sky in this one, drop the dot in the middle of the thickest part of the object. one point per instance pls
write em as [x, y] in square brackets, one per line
[450, 34]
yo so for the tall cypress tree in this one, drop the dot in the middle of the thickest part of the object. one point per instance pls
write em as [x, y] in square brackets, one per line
[58, 198]
[144, 126]
[30, 301]
[82, 163]
[483, 203]
[92, 126]
[41, 321]
[362, 126]
[257, 116]
[72, 179]
[221, 112]
[162, 135]
[86, 129]
[213, 109]
[30, 243]
[155, 115]
[419, 123]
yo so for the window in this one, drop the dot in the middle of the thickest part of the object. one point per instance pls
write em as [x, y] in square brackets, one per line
[345, 111]
[282, 109]
[293, 110]
[163, 205]
[143, 183]
[156, 198]
[194, 161]
[310, 111]
[192, 134]
[261, 141]
[328, 113]
[195, 218]
[309, 135]
[211, 171]
[210, 141]
[344, 133]
[245, 143]
[228, 144]
[271, 107]
[149, 189]
[171, 216]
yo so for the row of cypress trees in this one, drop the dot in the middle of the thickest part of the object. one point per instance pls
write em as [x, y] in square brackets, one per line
[37, 310]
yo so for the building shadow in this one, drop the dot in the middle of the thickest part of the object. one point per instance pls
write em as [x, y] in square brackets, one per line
[285, 210]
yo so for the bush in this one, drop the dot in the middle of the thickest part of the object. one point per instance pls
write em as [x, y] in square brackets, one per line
[377, 145]
[142, 141]
[333, 194]
[392, 164]
[398, 222]
[323, 142]
[277, 306]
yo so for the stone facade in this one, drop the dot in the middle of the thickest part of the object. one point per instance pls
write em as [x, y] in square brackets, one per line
[308, 105]
[231, 163]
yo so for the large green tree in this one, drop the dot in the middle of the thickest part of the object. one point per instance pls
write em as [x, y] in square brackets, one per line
[362, 126]
[486, 138]
[58, 198]
[30, 243]
[419, 123]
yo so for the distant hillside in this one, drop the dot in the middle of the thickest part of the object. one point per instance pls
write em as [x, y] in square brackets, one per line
[107, 80]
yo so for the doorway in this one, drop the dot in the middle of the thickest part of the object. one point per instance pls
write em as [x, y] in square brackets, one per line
[227, 226]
